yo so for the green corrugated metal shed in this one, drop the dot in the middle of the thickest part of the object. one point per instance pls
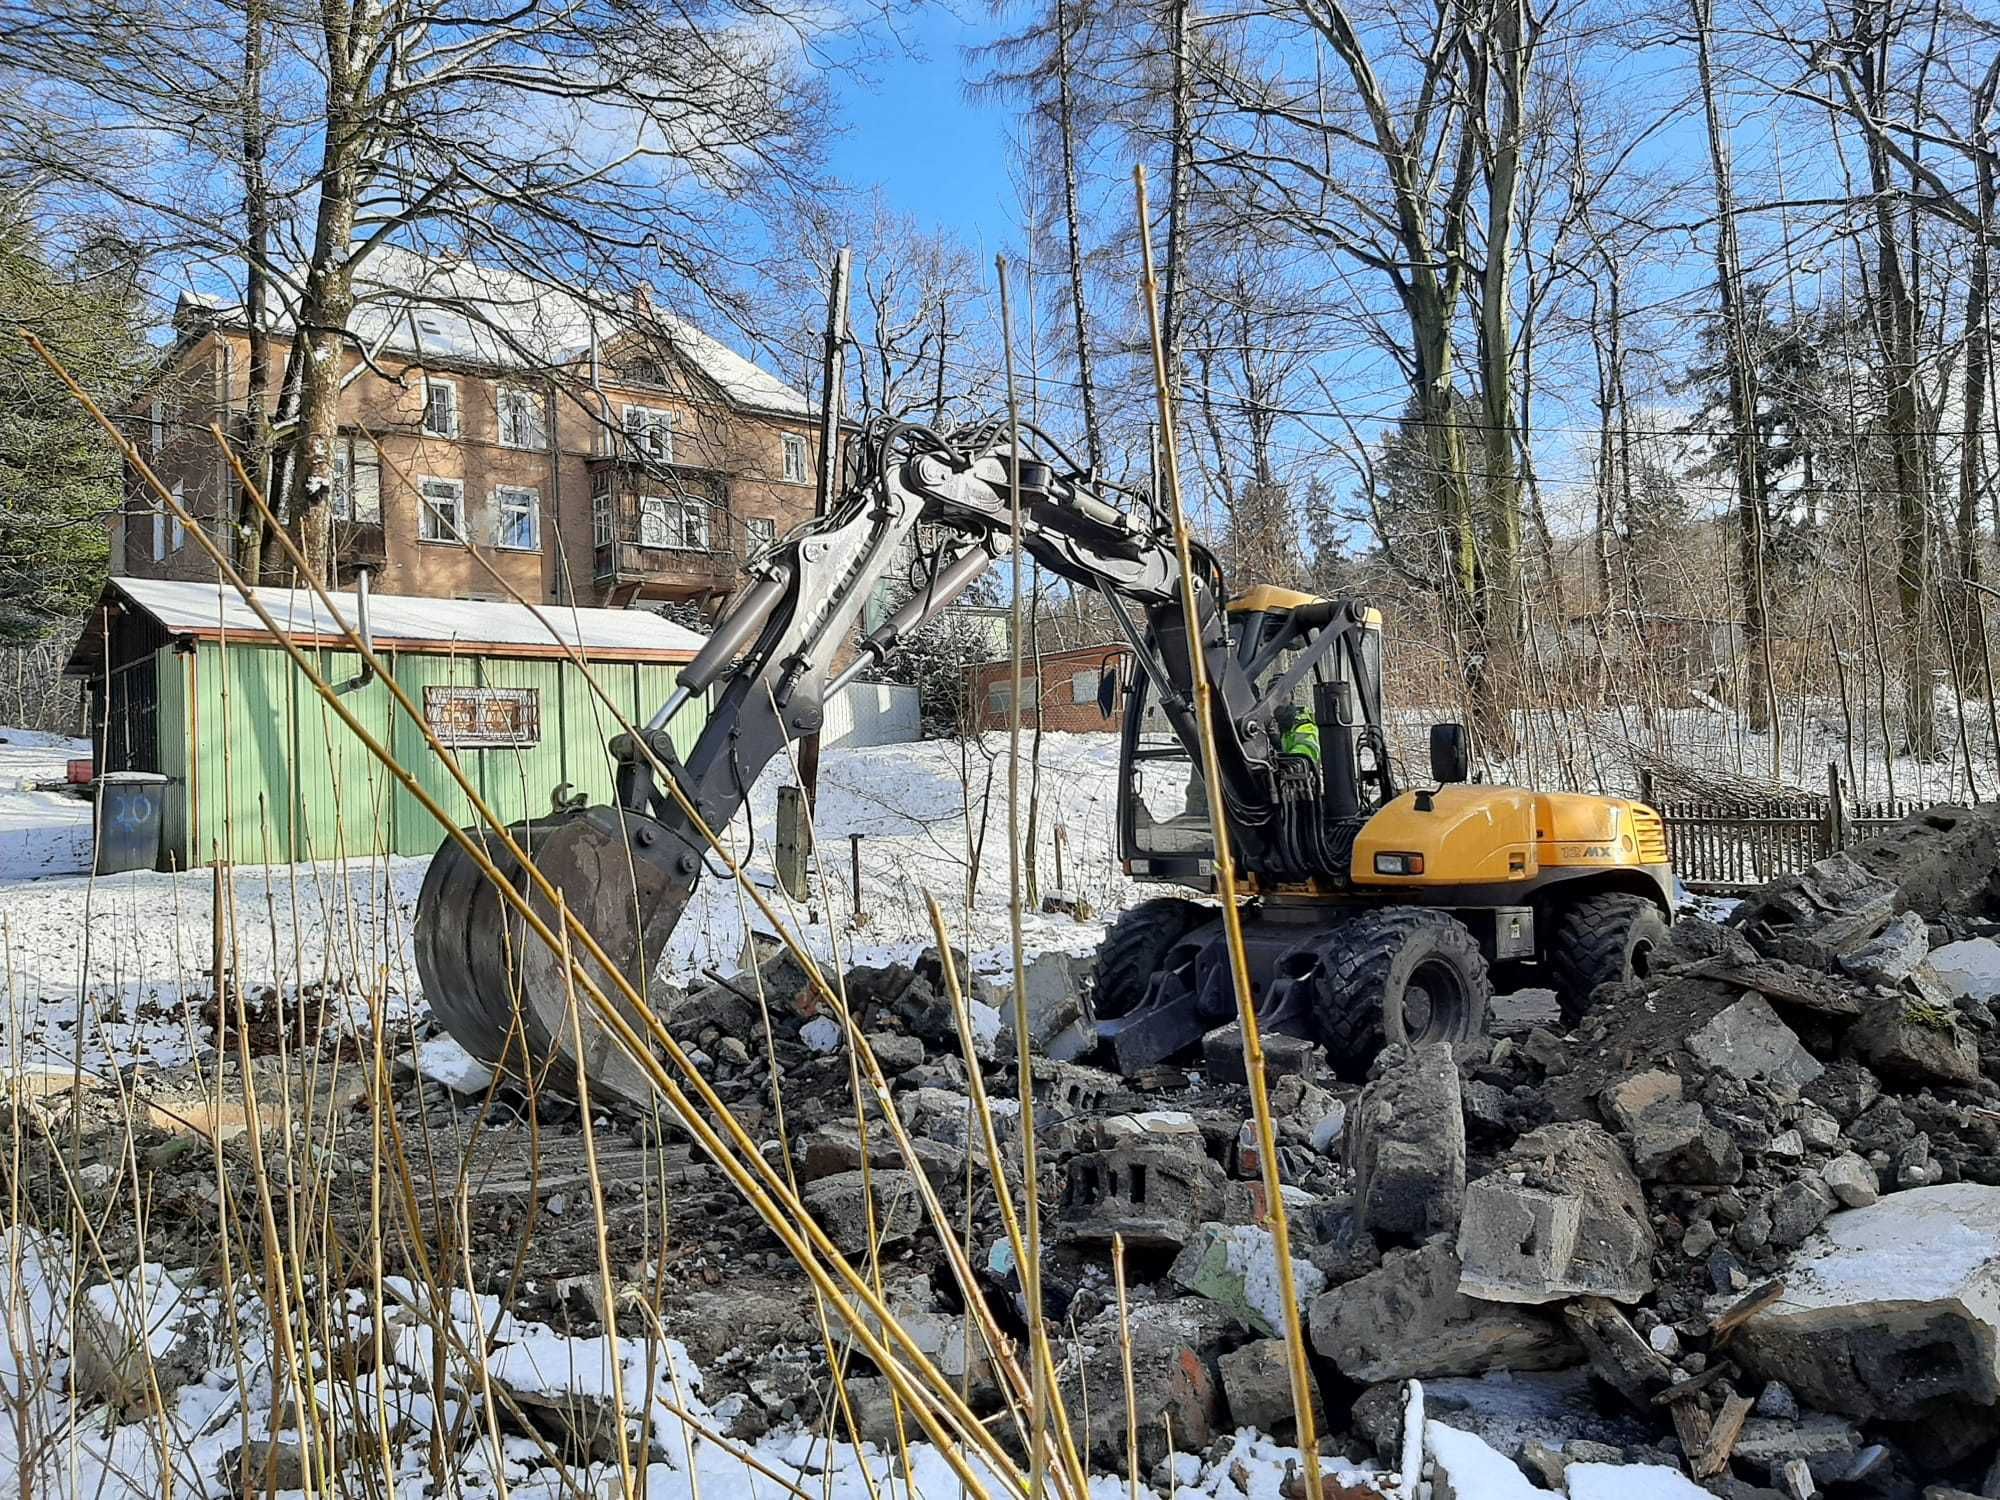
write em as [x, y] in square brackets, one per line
[185, 681]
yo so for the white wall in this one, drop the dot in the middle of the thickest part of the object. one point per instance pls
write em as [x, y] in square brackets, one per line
[872, 714]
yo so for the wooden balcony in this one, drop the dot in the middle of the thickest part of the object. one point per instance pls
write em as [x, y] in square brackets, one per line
[658, 548]
[630, 569]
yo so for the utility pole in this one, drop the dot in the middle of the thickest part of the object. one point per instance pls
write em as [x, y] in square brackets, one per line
[833, 382]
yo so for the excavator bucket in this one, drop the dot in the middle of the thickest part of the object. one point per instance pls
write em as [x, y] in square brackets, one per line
[503, 992]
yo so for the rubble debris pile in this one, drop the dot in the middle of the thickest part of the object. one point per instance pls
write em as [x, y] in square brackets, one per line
[1736, 1233]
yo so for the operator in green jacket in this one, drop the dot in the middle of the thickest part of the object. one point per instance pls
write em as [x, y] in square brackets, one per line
[1299, 733]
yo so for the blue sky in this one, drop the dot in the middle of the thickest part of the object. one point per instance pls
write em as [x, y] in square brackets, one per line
[913, 133]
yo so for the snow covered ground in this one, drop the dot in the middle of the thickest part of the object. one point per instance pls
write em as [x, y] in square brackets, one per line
[120, 952]
[41, 833]
[391, 1418]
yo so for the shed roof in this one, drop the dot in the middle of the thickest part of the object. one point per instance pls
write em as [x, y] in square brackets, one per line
[208, 611]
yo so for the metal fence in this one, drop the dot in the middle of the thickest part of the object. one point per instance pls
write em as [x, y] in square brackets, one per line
[1721, 845]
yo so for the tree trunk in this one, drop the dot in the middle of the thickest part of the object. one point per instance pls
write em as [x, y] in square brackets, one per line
[1894, 314]
[326, 303]
[1093, 437]
[1972, 428]
[1177, 186]
[1761, 696]
[257, 224]
[1499, 600]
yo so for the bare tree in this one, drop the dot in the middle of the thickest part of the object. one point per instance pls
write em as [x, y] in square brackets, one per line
[596, 145]
[1751, 518]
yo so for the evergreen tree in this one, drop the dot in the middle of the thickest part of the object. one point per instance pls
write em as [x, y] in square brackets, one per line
[59, 475]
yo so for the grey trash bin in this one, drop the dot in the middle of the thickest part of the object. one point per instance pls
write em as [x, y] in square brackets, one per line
[128, 820]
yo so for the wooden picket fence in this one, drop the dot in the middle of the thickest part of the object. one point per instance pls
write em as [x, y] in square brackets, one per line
[1720, 846]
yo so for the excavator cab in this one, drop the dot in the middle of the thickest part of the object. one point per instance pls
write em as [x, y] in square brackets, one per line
[1314, 672]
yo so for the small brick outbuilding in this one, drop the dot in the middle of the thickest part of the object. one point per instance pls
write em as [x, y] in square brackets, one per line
[1065, 683]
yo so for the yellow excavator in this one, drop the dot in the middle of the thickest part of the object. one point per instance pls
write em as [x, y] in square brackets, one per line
[1373, 912]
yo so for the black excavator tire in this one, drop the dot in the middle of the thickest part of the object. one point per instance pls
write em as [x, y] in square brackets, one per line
[1136, 946]
[1371, 970]
[1603, 939]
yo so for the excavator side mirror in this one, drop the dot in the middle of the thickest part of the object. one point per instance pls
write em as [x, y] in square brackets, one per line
[1107, 688]
[1450, 760]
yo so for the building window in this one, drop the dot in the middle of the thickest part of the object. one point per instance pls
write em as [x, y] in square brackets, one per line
[180, 535]
[357, 480]
[649, 434]
[156, 436]
[1000, 695]
[600, 508]
[795, 459]
[440, 408]
[679, 524]
[517, 519]
[159, 533]
[441, 514]
[523, 419]
[760, 532]
[643, 372]
[1083, 686]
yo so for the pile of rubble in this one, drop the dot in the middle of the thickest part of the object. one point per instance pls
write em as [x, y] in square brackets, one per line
[1737, 1232]
[1742, 1225]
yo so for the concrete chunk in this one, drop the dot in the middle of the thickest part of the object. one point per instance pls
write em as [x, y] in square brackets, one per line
[1893, 954]
[1235, 1266]
[1154, 1192]
[1917, 1043]
[151, 1327]
[1409, 1319]
[1673, 1141]
[1406, 1146]
[1626, 1100]
[840, 1203]
[1562, 1217]
[1853, 1181]
[1748, 1040]
[1890, 1309]
[1257, 1379]
[1173, 1373]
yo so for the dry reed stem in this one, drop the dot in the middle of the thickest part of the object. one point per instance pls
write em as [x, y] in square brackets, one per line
[625, 1473]
[1125, 1358]
[1029, 1270]
[1225, 869]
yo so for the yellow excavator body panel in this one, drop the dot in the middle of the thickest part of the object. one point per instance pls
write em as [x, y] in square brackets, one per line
[1268, 598]
[1470, 835]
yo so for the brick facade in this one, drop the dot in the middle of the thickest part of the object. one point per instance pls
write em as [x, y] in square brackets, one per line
[1064, 678]
[612, 524]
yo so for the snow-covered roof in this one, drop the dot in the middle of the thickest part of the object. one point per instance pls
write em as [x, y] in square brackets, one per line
[208, 610]
[456, 310]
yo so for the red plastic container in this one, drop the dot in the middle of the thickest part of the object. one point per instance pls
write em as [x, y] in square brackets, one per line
[81, 771]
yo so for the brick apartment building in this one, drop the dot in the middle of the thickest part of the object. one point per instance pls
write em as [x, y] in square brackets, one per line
[1065, 683]
[585, 462]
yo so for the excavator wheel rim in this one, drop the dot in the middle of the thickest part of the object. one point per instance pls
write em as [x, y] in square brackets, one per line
[1371, 962]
